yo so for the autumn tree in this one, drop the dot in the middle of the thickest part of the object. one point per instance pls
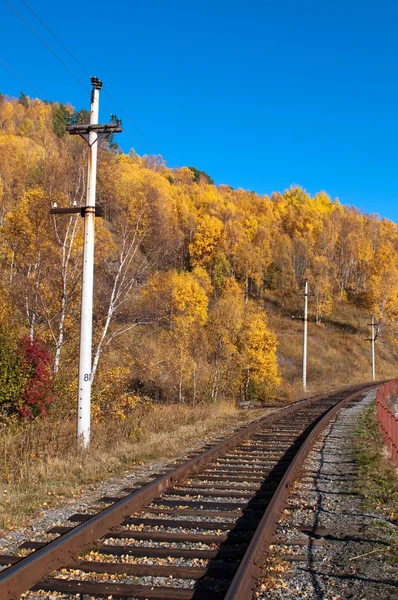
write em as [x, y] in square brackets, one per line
[180, 304]
[259, 367]
[321, 285]
[223, 330]
[205, 239]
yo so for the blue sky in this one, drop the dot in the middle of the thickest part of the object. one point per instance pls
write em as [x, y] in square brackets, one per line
[260, 94]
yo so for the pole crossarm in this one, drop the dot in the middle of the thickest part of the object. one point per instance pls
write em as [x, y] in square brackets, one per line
[85, 129]
[101, 131]
[76, 210]
[65, 211]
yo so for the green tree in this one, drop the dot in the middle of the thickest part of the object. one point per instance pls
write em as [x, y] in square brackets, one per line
[24, 100]
[201, 176]
[60, 114]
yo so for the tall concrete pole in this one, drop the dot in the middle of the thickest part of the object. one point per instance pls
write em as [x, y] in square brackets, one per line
[305, 321]
[373, 348]
[86, 323]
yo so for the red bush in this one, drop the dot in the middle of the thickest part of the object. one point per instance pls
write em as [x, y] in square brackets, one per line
[37, 395]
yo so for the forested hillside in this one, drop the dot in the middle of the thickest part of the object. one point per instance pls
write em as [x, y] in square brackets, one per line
[191, 279]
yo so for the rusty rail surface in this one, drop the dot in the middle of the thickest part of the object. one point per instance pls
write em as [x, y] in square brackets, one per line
[388, 422]
[25, 572]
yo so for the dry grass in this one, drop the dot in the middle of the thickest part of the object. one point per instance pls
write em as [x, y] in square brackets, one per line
[40, 464]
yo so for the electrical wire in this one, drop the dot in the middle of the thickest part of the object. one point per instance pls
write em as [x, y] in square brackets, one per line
[21, 78]
[70, 71]
[47, 46]
[88, 73]
[56, 38]
[131, 120]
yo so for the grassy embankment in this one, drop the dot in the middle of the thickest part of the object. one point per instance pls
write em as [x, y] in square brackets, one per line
[378, 479]
[39, 465]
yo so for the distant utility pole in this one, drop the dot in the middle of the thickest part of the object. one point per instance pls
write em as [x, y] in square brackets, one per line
[91, 133]
[372, 339]
[305, 322]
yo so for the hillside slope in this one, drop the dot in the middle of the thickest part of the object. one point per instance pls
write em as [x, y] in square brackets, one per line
[339, 350]
[195, 284]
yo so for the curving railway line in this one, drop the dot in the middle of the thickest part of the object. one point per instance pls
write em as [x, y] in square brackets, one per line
[198, 531]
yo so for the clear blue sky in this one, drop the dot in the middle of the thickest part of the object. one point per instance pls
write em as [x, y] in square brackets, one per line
[260, 94]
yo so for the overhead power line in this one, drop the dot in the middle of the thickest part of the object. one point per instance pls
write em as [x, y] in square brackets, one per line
[47, 46]
[131, 120]
[56, 38]
[77, 61]
[67, 68]
[21, 78]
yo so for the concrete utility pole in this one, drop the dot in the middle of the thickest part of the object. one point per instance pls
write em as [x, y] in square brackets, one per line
[86, 318]
[305, 321]
[305, 325]
[91, 134]
[373, 326]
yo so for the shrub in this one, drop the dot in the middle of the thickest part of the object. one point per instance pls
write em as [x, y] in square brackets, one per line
[37, 395]
[25, 379]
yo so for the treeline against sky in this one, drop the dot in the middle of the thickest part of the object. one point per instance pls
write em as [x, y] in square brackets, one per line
[182, 272]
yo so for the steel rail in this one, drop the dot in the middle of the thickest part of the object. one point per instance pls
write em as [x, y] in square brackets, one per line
[21, 576]
[249, 570]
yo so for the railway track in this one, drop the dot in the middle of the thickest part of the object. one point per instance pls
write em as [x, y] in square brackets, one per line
[197, 531]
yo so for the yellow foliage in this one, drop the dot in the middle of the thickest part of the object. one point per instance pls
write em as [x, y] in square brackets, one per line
[205, 239]
[178, 297]
[251, 227]
[259, 351]
[189, 300]
[203, 278]
[226, 319]
[184, 176]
